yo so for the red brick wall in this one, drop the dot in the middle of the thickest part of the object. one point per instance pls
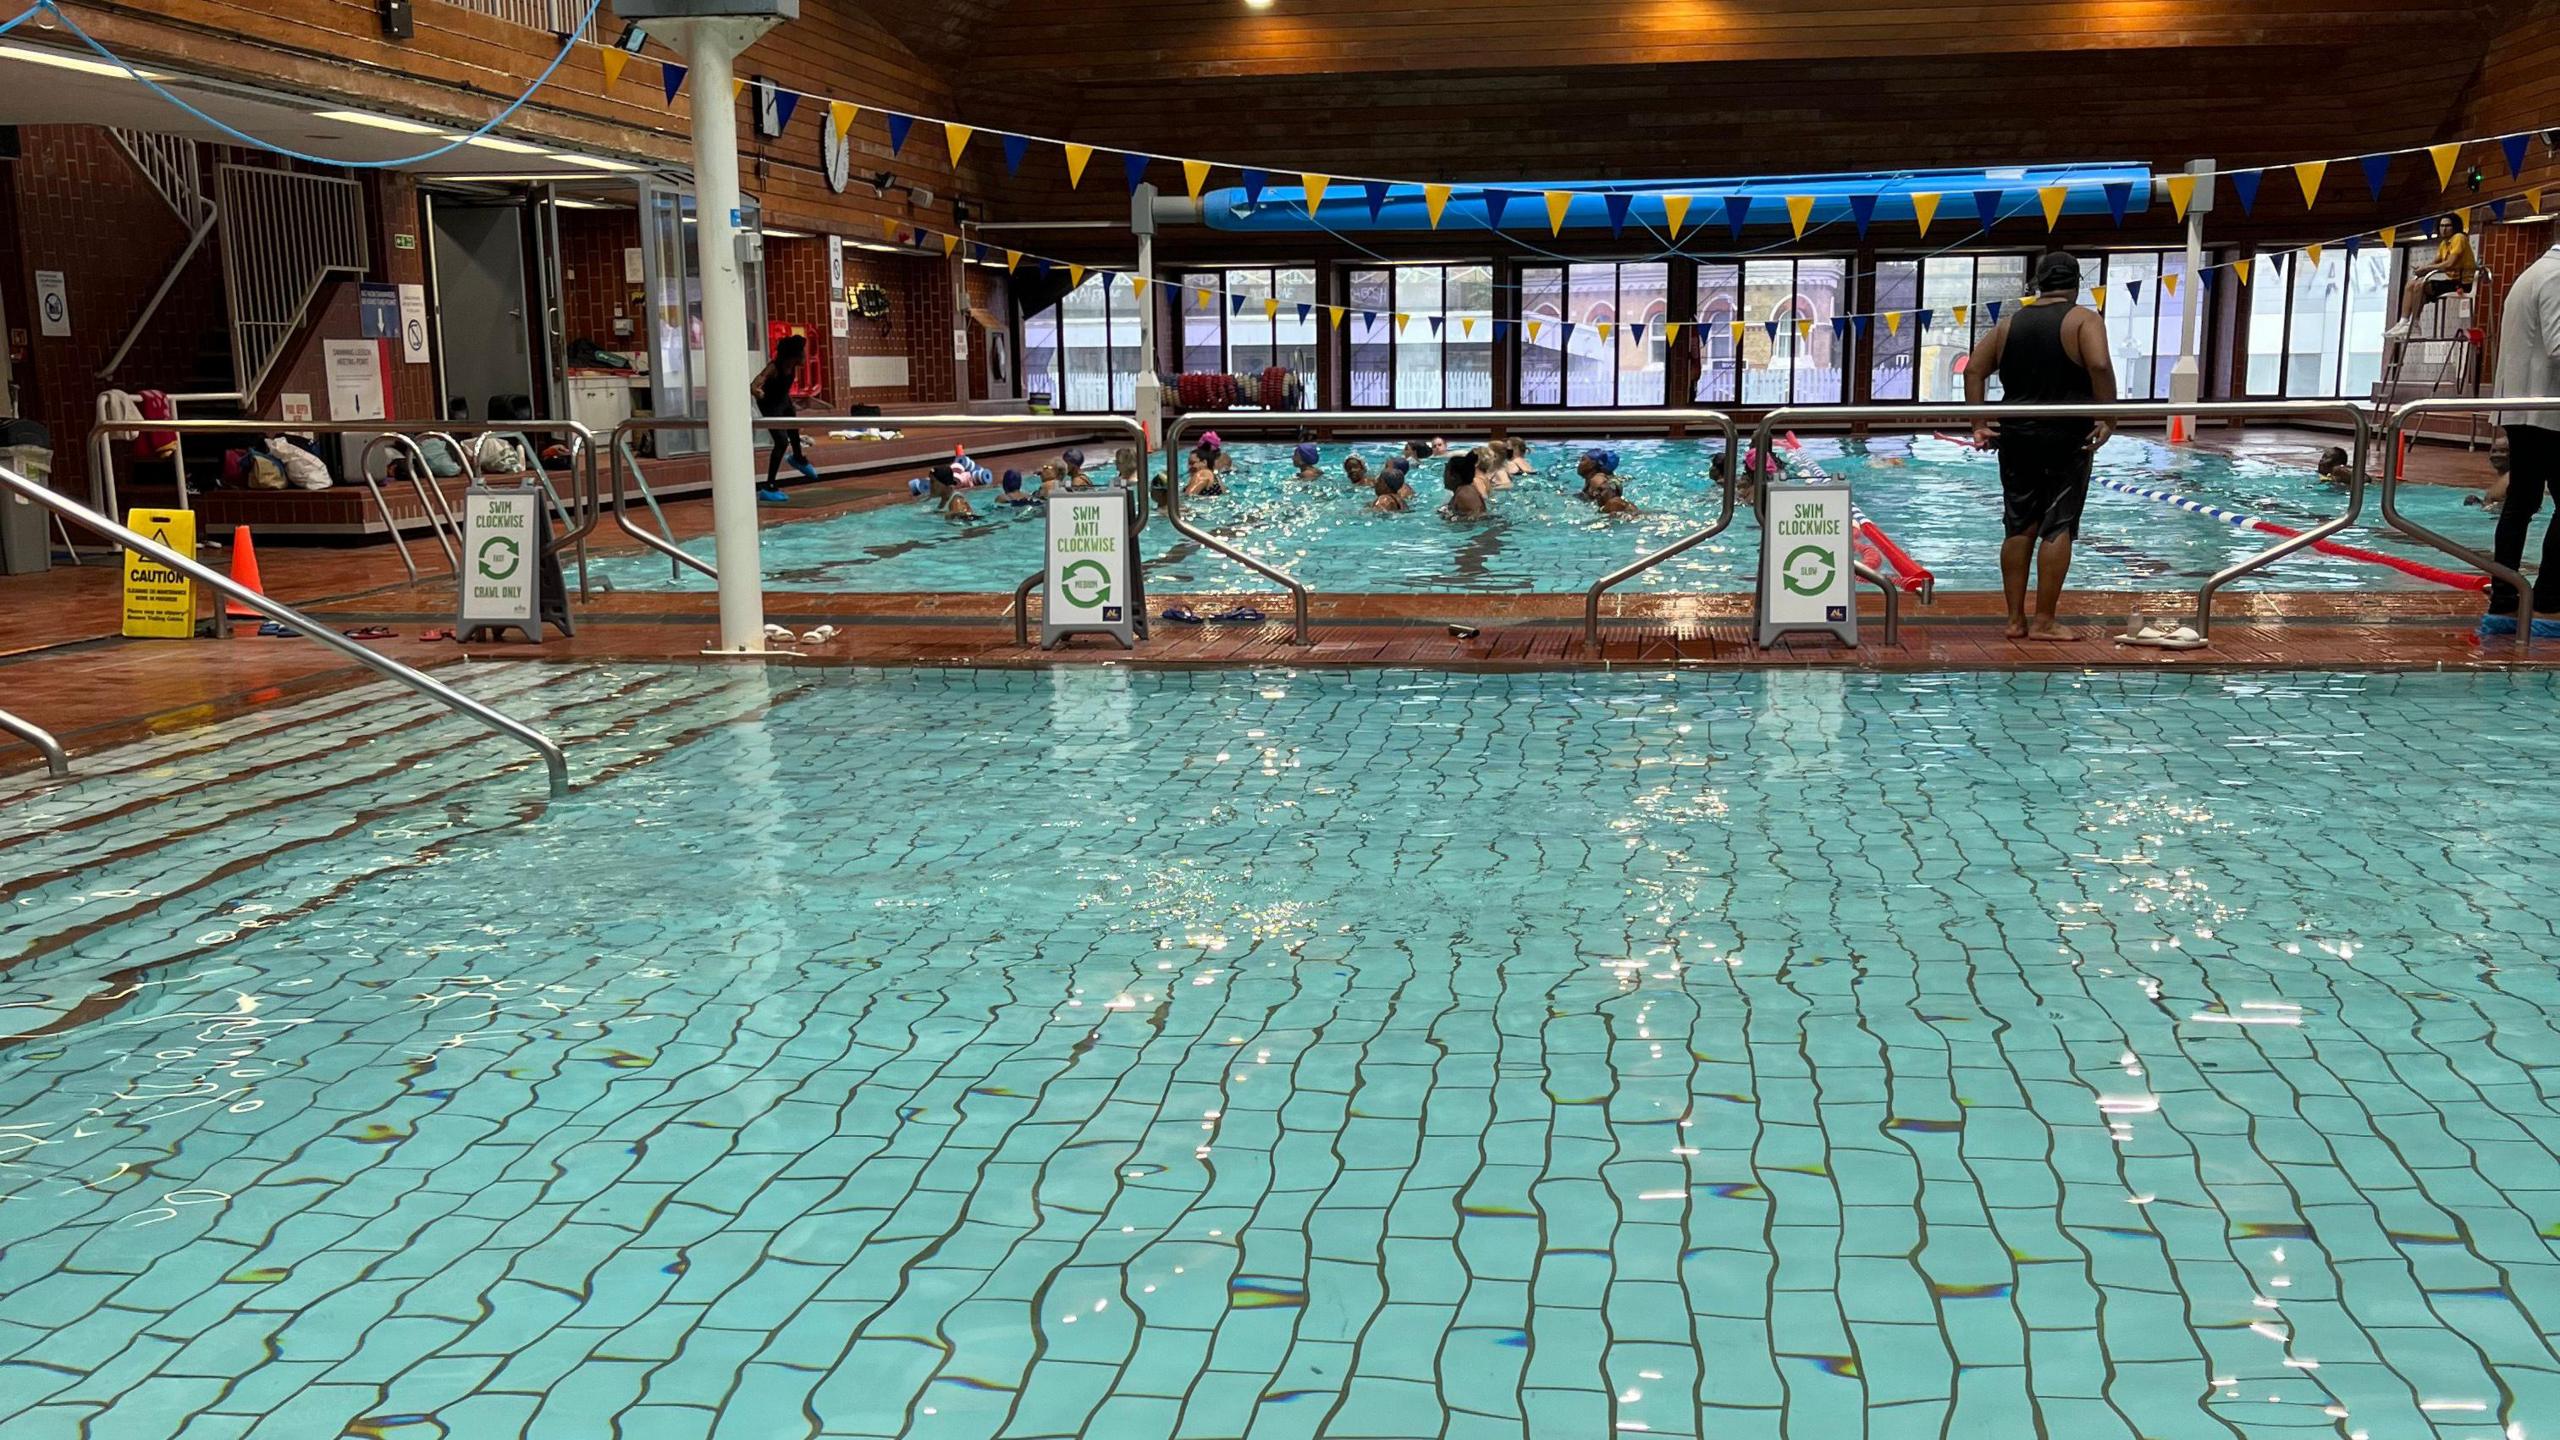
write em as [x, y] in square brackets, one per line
[795, 293]
[592, 290]
[917, 326]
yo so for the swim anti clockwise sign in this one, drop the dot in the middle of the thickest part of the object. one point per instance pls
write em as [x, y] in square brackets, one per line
[1807, 581]
[1086, 559]
[501, 581]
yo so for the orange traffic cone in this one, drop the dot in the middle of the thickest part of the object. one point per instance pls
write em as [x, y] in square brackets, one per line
[244, 571]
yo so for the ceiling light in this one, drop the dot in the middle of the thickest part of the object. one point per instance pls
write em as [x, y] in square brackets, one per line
[1258, 4]
[593, 162]
[2524, 219]
[569, 204]
[60, 61]
[510, 147]
[773, 234]
[378, 122]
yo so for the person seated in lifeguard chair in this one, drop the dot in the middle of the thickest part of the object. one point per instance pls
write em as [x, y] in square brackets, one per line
[2450, 272]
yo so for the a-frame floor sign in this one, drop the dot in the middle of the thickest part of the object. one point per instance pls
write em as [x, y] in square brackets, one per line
[510, 576]
[1090, 584]
[1808, 575]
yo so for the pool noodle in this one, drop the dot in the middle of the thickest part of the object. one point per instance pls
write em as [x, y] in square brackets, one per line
[2431, 573]
[1879, 550]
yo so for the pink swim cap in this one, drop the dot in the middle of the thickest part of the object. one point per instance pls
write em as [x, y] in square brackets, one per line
[1212, 441]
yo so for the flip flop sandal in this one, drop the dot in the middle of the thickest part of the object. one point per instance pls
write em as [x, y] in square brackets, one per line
[2182, 638]
[2151, 636]
[1240, 615]
[1180, 616]
[432, 636]
[371, 632]
[272, 628]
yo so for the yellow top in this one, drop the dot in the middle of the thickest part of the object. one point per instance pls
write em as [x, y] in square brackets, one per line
[2454, 257]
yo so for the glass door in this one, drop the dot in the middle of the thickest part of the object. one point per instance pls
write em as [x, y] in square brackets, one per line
[671, 272]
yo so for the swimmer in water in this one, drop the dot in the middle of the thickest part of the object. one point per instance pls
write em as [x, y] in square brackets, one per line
[1393, 492]
[1205, 467]
[1417, 449]
[1459, 479]
[2334, 465]
[1125, 461]
[1439, 446]
[1489, 460]
[1052, 476]
[1721, 470]
[1071, 466]
[1013, 490]
[1309, 463]
[1356, 470]
[1599, 472]
[1518, 463]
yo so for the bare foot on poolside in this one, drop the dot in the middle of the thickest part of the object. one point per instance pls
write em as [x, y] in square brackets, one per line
[2017, 629]
[2050, 630]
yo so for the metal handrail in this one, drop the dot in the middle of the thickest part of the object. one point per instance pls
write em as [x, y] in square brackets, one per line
[1724, 518]
[420, 478]
[1127, 427]
[41, 738]
[2354, 413]
[2394, 432]
[553, 761]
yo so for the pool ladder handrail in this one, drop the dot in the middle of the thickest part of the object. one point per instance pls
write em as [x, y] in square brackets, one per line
[2395, 431]
[1686, 543]
[55, 760]
[664, 543]
[2355, 414]
[553, 760]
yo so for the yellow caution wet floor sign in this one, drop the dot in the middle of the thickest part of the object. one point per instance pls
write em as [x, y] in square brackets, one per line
[158, 601]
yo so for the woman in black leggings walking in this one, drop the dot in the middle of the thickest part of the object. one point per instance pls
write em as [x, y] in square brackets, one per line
[773, 401]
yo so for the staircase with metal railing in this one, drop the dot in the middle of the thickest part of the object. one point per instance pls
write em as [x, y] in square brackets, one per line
[173, 164]
[284, 236]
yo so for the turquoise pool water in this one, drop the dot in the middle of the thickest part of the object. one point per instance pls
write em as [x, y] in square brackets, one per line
[1939, 500]
[1154, 1054]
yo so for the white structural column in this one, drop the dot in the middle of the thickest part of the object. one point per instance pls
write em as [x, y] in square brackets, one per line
[711, 48]
[2186, 379]
[1142, 221]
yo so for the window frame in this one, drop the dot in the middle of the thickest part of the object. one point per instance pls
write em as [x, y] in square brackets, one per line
[1564, 272]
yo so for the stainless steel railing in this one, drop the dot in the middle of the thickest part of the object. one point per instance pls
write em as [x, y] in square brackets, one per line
[1690, 541]
[42, 739]
[221, 584]
[2395, 431]
[2354, 414]
[664, 543]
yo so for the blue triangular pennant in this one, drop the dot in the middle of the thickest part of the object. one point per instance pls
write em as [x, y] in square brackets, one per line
[1497, 329]
[2133, 291]
[2427, 227]
[1136, 166]
[2498, 209]
[1862, 208]
[1235, 304]
[2244, 186]
[1568, 332]
[1839, 325]
[2205, 277]
[1737, 213]
[1304, 311]
[2377, 169]
[1993, 310]
[1986, 206]
[2276, 262]
[1636, 333]
[1860, 323]
[1928, 318]
[1771, 326]
[1617, 206]
[899, 125]
[2119, 199]
[1043, 263]
[672, 75]
[1377, 191]
[978, 252]
[784, 102]
[1495, 202]
[1254, 180]
[1368, 317]
[1435, 324]
[2514, 145]
[1015, 147]
[2354, 244]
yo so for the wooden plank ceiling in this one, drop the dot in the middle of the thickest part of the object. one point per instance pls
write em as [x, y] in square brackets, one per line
[1503, 90]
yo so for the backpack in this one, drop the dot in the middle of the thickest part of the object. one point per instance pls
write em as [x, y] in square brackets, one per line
[302, 468]
[155, 444]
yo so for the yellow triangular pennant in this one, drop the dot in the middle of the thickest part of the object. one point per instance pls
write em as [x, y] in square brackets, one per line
[1435, 198]
[840, 114]
[1138, 287]
[613, 58]
[2445, 156]
[1738, 327]
[1893, 322]
[2533, 201]
[1799, 210]
[2390, 236]
[1012, 258]
[950, 243]
[1077, 156]
[1804, 330]
[2241, 269]
[1315, 190]
[888, 227]
[2052, 197]
[2097, 297]
[737, 88]
[1675, 209]
[957, 137]
[1334, 313]
[1200, 299]
[1671, 332]
[1960, 313]
[1466, 325]
[1195, 173]
[1534, 327]
[2169, 285]
[1558, 202]
[1605, 328]
[1924, 208]
[2182, 193]
[1075, 276]
[2315, 252]
[1270, 307]
[2309, 173]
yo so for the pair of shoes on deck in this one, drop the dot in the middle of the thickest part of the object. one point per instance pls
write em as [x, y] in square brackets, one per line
[772, 495]
[2152, 635]
[1240, 615]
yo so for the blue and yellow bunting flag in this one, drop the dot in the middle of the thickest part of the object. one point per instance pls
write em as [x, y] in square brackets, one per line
[2377, 173]
[1235, 304]
[1315, 186]
[1675, 209]
[1927, 318]
[613, 58]
[1376, 190]
[2513, 147]
[2244, 188]
[1495, 202]
[2052, 198]
[1195, 175]
[671, 75]
[1253, 181]
[1617, 204]
[2119, 199]
[1986, 206]
[1799, 210]
[2182, 193]
[1862, 213]
[1304, 310]
[1435, 324]
[899, 125]
[1558, 202]
[956, 138]
[1135, 167]
[2445, 156]
[1924, 208]
[1435, 198]
[1015, 147]
[2133, 291]
[1078, 156]
[1737, 214]
[2308, 175]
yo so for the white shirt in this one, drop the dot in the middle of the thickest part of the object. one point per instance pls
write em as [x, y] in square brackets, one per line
[2529, 341]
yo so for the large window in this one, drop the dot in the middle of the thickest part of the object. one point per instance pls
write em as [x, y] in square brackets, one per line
[1913, 361]
[1421, 337]
[1241, 322]
[2316, 330]
[1084, 350]
[1615, 351]
[1787, 354]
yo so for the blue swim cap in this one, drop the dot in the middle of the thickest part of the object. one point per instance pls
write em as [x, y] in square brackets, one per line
[1012, 481]
[917, 486]
[1308, 455]
[1074, 459]
[1399, 466]
[1597, 457]
[1609, 461]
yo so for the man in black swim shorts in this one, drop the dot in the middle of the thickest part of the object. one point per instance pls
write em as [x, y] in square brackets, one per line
[2049, 351]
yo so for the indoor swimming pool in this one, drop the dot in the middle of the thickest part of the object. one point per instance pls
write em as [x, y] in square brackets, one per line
[1937, 499]
[1375, 1053]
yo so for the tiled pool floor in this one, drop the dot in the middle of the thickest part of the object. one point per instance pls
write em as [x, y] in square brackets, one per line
[1275, 1054]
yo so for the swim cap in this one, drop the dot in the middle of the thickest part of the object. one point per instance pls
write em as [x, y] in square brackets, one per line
[1399, 465]
[1597, 457]
[1609, 461]
[917, 486]
[1211, 441]
[1308, 454]
[1012, 481]
[1074, 459]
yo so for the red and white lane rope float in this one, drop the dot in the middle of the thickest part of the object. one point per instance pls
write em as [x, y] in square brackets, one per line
[1876, 550]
